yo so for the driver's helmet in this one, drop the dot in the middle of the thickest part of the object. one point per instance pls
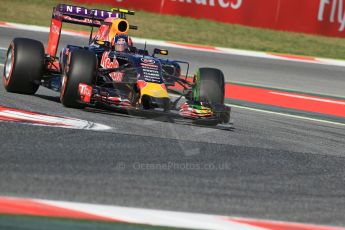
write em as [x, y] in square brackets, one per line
[122, 42]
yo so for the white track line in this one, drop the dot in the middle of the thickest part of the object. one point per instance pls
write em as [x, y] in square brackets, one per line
[50, 120]
[309, 98]
[288, 115]
[280, 114]
[153, 217]
[170, 218]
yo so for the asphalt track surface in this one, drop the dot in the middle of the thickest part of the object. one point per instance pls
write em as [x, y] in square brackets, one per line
[268, 166]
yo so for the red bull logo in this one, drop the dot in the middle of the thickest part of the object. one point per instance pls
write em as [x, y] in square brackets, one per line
[107, 63]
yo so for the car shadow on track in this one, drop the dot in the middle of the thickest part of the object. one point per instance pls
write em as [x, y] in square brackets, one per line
[49, 98]
[145, 116]
[157, 117]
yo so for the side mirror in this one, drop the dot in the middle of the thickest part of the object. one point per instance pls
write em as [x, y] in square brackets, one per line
[160, 51]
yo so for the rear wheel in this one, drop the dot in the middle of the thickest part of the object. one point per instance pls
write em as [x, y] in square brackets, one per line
[209, 87]
[24, 66]
[81, 68]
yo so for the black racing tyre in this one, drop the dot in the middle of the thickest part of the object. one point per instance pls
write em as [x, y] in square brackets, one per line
[209, 86]
[80, 68]
[24, 66]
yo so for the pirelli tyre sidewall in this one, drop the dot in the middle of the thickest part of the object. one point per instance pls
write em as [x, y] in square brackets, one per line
[81, 67]
[24, 66]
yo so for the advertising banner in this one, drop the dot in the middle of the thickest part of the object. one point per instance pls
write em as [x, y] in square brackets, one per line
[322, 17]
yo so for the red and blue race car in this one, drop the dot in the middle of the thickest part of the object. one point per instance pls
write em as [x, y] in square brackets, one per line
[110, 72]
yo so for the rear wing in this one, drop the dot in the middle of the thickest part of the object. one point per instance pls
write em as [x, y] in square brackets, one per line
[78, 15]
[83, 16]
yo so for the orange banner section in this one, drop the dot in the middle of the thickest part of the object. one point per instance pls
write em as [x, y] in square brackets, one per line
[322, 17]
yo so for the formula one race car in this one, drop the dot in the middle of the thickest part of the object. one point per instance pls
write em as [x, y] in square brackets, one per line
[111, 72]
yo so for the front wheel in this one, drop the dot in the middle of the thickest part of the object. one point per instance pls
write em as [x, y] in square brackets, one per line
[81, 68]
[209, 87]
[24, 66]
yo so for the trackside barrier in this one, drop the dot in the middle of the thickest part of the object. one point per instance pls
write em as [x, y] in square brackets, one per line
[322, 17]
